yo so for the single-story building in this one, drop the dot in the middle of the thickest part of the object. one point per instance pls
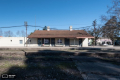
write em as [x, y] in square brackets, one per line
[100, 41]
[59, 38]
[12, 41]
[103, 40]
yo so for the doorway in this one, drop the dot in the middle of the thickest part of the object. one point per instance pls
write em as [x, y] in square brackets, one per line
[67, 41]
[39, 41]
[52, 41]
[80, 42]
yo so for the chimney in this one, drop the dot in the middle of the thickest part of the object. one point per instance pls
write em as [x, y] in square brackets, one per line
[70, 28]
[48, 28]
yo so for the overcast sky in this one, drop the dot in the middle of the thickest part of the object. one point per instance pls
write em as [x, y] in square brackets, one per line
[54, 13]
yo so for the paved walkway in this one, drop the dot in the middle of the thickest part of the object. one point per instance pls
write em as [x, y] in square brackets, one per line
[63, 48]
[94, 69]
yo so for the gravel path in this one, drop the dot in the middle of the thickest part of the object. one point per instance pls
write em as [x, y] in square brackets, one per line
[94, 69]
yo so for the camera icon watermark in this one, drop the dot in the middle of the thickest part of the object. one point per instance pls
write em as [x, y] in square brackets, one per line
[6, 76]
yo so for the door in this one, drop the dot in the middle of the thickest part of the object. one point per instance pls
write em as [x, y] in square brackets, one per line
[67, 41]
[52, 41]
[80, 42]
[39, 42]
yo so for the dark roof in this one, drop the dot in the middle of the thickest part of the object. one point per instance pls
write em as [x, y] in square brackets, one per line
[60, 34]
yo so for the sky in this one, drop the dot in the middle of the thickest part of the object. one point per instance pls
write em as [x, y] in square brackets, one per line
[58, 14]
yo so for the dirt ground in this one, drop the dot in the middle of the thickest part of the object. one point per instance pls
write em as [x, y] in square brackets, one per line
[61, 65]
[38, 67]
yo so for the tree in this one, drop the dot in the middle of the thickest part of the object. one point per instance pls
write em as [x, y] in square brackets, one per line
[94, 24]
[23, 34]
[111, 29]
[114, 10]
[8, 34]
[18, 33]
[45, 28]
[95, 31]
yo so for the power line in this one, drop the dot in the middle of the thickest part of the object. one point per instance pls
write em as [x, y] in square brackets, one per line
[43, 27]
[68, 24]
[12, 26]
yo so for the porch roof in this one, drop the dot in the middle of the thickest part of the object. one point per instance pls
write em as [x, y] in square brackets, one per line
[60, 34]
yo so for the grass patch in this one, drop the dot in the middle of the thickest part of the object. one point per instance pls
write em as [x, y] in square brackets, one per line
[64, 65]
[41, 67]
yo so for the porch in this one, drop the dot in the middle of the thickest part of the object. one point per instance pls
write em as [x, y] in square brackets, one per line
[58, 42]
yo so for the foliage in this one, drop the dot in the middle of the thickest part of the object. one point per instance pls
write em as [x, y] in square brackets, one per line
[45, 28]
[95, 31]
[111, 29]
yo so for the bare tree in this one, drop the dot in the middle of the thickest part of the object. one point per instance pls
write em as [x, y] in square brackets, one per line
[111, 28]
[95, 31]
[114, 10]
[23, 34]
[94, 25]
[18, 33]
[8, 34]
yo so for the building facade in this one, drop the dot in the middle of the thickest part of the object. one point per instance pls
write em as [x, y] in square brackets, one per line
[59, 38]
[50, 38]
[12, 41]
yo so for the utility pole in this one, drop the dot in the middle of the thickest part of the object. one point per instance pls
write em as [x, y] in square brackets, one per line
[25, 23]
[35, 22]
[94, 24]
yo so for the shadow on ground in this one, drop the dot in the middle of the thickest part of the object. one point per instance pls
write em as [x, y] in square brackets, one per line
[45, 65]
[51, 65]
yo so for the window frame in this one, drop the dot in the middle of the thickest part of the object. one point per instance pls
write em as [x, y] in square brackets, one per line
[46, 41]
[59, 40]
[20, 41]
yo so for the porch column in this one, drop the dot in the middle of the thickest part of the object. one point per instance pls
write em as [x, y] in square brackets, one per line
[41, 42]
[44, 41]
[50, 41]
[74, 42]
[64, 42]
[59, 41]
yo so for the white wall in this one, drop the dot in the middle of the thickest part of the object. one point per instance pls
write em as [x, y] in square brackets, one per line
[33, 42]
[6, 41]
[12, 41]
[85, 42]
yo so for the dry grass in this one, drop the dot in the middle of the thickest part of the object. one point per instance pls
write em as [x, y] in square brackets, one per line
[39, 67]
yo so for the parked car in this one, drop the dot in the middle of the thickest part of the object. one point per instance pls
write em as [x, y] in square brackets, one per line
[117, 42]
[105, 44]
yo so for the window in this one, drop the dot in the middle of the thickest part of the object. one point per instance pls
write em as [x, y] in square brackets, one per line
[21, 41]
[29, 40]
[46, 41]
[59, 40]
